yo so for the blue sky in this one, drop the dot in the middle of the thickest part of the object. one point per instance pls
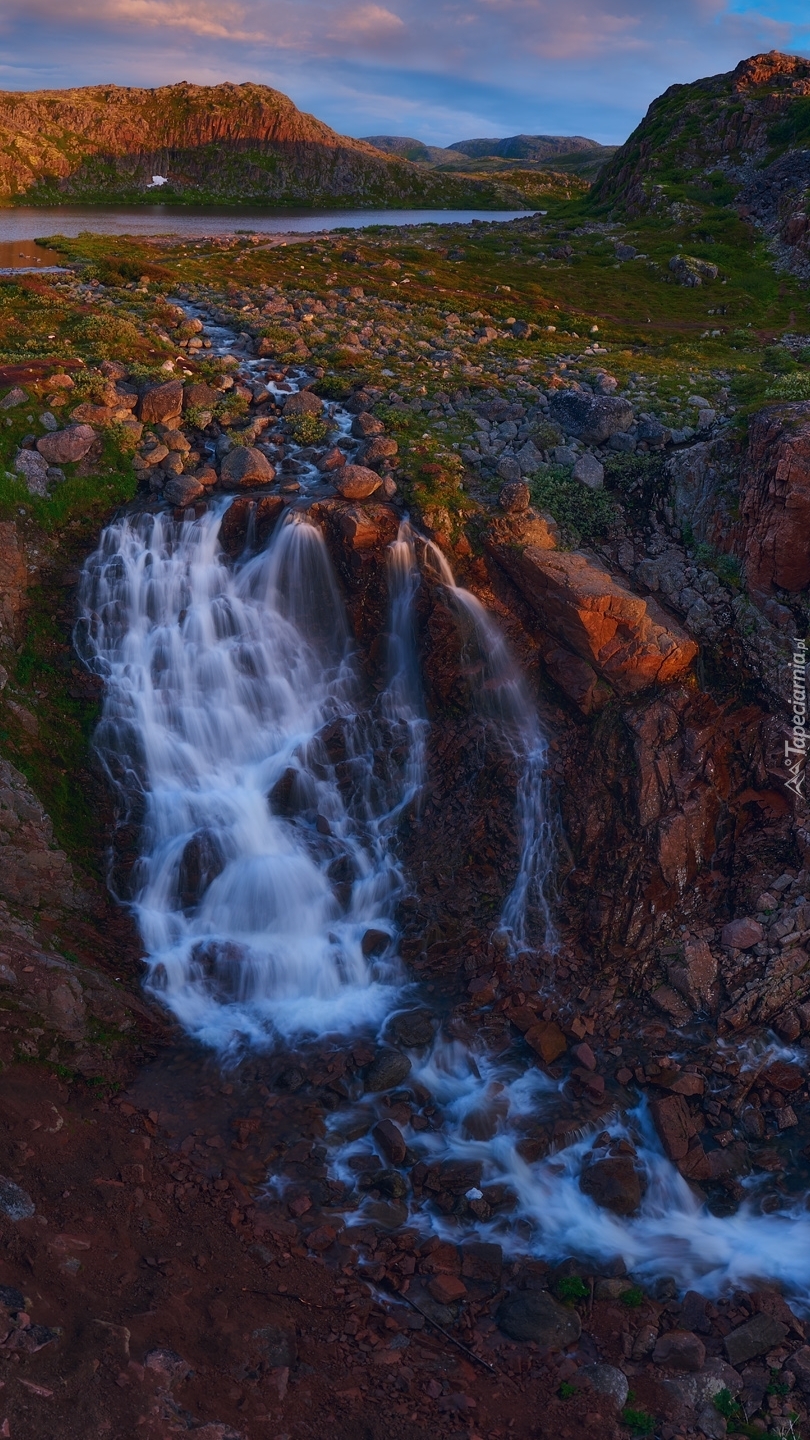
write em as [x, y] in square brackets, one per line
[441, 70]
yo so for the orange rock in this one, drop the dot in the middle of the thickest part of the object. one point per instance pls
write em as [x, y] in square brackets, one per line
[446, 1289]
[627, 640]
[547, 1040]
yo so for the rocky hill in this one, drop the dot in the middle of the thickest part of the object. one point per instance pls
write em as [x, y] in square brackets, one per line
[484, 158]
[740, 140]
[219, 144]
[527, 147]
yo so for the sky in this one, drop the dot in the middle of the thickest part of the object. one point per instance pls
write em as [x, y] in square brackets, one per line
[439, 70]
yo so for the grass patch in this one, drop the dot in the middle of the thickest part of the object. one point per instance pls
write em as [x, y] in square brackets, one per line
[582, 514]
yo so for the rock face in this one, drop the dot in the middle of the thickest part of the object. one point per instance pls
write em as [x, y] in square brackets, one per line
[65, 447]
[590, 418]
[775, 499]
[34, 871]
[627, 640]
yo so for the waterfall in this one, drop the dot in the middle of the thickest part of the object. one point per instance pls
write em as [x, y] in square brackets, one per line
[236, 723]
[501, 693]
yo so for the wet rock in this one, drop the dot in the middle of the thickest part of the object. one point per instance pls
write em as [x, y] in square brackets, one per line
[388, 1214]
[15, 1203]
[390, 1182]
[606, 1380]
[183, 490]
[614, 1183]
[244, 467]
[577, 679]
[447, 1289]
[202, 861]
[674, 1125]
[332, 460]
[303, 403]
[356, 482]
[680, 1350]
[775, 499]
[482, 1262]
[161, 404]
[245, 513]
[391, 1141]
[412, 1029]
[375, 942]
[547, 1040]
[514, 497]
[387, 1070]
[628, 640]
[590, 418]
[783, 1076]
[742, 934]
[65, 447]
[367, 527]
[756, 1337]
[535, 1315]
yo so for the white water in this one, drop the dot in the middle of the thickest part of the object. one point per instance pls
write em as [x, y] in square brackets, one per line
[217, 683]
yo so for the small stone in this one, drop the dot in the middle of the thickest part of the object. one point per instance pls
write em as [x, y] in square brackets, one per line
[34, 468]
[244, 467]
[49, 421]
[391, 1141]
[365, 425]
[356, 482]
[183, 490]
[514, 497]
[674, 1125]
[529, 458]
[786, 1117]
[742, 934]
[756, 1337]
[447, 1289]
[14, 1201]
[509, 469]
[614, 1183]
[547, 1040]
[331, 460]
[583, 1054]
[589, 471]
[16, 396]
[606, 1380]
[680, 1350]
[413, 1029]
[161, 403]
[67, 446]
[536, 1315]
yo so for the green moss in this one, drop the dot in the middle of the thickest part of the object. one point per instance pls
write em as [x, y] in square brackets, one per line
[582, 514]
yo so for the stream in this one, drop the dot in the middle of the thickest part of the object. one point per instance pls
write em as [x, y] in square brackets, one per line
[268, 779]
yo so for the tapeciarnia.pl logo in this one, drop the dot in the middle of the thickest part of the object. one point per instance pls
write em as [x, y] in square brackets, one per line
[796, 746]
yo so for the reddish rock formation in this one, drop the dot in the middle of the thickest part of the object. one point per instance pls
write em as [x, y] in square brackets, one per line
[626, 639]
[775, 499]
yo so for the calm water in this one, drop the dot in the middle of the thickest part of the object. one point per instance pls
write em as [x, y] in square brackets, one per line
[26, 223]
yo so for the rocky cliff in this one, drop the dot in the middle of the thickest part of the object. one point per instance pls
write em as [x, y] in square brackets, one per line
[228, 142]
[741, 139]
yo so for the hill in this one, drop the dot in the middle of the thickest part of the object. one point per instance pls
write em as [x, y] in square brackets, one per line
[226, 144]
[569, 154]
[740, 140]
[527, 147]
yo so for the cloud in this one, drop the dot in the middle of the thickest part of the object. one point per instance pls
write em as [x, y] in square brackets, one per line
[438, 69]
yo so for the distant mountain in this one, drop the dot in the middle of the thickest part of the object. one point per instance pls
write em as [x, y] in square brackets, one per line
[217, 144]
[408, 148]
[527, 147]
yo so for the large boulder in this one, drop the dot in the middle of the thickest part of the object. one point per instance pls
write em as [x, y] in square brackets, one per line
[65, 447]
[627, 640]
[356, 482]
[536, 1315]
[614, 1182]
[303, 402]
[590, 418]
[244, 467]
[775, 499]
[161, 403]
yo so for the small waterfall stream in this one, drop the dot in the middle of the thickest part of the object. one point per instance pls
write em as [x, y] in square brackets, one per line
[268, 780]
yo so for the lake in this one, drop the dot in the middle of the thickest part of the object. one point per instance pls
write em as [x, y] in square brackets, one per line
[24, 224]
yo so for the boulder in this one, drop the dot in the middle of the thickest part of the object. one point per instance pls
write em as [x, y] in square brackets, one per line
[674, 1125]
[688, 270]
[15, 396]
[614, 1183]
[391, 1141]
[775, 499]
[65, 447]
[303, 403]
[331, 460]
[200, 396]
[536, 1315]
[606, 1380]
[34, 467]
[365, 425]
[245, 467]
[356, 482]
[388, 1070]
[756, 1337]
[742, 934]
[412, 1028]
[380, 449]
[514, 497]
[680, 1350]
[589, 471]
[183, 490]
[161, 403]
[628, 640]
[590, 418]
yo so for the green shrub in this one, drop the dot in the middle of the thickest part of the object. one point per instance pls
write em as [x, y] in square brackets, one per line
[638, 1421]
[582, 514]
[107, 335]
[778, 360]
[567, 1391]
[571, 1288]
[726, 1404]
[307, 429]
[633, 1298]
[333, 387]
[790, 387]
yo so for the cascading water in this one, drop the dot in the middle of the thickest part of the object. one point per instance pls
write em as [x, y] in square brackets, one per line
[228, 686]
[224, 688]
